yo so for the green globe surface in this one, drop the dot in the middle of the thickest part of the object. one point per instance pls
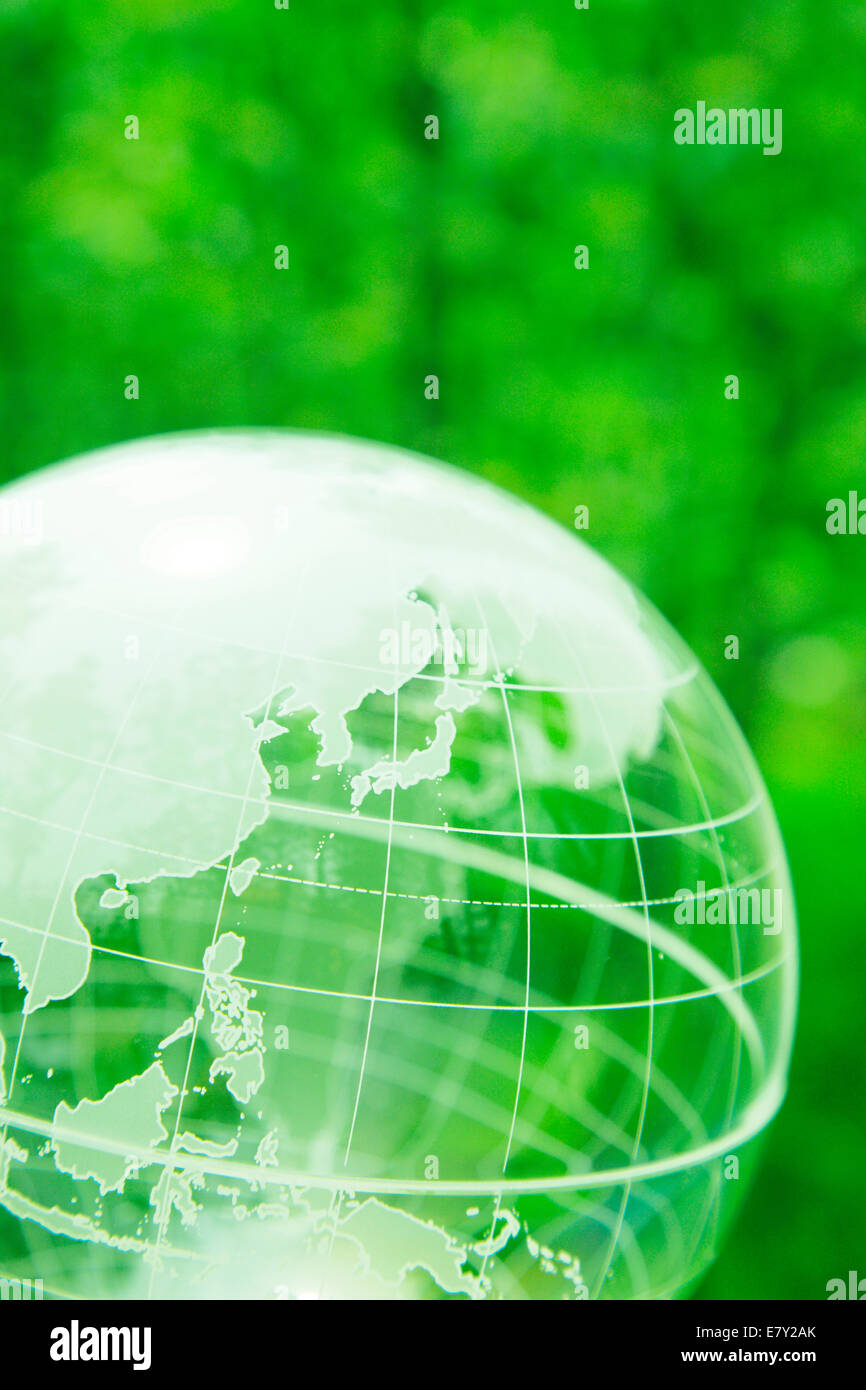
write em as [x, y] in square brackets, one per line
[389, 905]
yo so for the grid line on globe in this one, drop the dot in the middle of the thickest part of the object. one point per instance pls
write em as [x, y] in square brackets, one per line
[404, 976]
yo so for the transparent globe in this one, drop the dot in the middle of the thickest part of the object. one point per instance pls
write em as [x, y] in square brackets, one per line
[389, 904]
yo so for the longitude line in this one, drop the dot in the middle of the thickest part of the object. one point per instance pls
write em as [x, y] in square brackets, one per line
[245, 801]
[500, 681]
[651, 1019]
[381, 935]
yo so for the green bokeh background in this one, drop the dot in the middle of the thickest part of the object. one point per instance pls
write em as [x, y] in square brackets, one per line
[305, 127]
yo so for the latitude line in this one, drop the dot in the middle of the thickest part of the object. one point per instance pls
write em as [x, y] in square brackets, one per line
[755, 1119]
[735, 983]
[565, 889]
[280, 806]
[203, 866]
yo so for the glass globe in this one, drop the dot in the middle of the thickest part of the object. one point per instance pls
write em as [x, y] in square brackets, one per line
[390, 906]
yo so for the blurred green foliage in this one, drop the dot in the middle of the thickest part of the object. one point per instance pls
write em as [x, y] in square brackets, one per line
[261, 126]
